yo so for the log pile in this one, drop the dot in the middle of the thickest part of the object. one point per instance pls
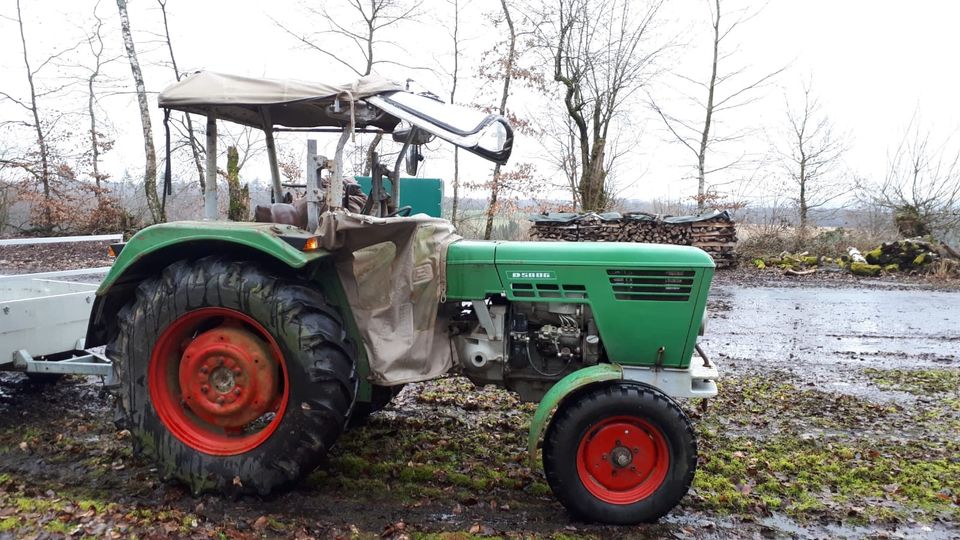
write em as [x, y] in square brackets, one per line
[714, 233]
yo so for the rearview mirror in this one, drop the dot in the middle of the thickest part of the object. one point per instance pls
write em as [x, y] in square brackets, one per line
[412, 159]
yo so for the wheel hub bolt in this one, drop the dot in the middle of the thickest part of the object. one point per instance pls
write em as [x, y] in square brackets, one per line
[237, 370]
[220, 400]
[237, 391]
[621, 457]
[204, 369]
[204, 389]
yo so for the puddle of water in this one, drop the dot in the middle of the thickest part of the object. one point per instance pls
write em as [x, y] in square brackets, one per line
[809, 326]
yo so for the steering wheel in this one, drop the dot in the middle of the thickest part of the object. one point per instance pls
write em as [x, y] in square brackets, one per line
[403, 211]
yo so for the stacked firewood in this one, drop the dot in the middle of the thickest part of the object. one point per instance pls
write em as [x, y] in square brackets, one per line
[653, 231]
[716, 234]
[718, 237]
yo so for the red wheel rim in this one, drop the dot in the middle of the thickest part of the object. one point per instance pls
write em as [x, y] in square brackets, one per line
[218, 381]
[623, 459]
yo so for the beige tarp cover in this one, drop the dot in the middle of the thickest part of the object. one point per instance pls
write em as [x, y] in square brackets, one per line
[393, 272]
[291, 103]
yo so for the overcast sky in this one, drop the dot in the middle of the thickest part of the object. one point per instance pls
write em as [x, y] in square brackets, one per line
[872, 63]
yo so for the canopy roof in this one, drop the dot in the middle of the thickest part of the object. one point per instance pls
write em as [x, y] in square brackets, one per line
[370, 101]
[288, 103]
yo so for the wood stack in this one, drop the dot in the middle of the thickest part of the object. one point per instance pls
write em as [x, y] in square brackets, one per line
[718, 237]
[716, 233]
[653, 231]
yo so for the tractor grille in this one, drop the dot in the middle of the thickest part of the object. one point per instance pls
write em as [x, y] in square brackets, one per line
[652, 285]
[548, 290]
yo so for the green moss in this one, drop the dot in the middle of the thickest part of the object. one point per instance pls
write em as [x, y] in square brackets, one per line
[29, 504]
[864, 269]
[917, 381]
[350, 465]
[811, 261]
[9, 523]
[759, 263]
[873, 256]
[921, 259]
[59, 527]
[539, 489]
[892, 267]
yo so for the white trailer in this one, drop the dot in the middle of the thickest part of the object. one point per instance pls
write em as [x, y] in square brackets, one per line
[44, 316]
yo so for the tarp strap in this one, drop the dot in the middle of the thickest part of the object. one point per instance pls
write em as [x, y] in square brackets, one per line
[167, 175]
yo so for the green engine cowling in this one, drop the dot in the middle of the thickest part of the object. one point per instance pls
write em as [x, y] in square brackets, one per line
[563, 307]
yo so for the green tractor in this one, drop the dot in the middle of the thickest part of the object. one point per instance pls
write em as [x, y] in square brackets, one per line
[243, 350]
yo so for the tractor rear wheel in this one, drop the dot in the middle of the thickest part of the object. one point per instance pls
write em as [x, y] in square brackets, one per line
[232, 378]
[620, 453]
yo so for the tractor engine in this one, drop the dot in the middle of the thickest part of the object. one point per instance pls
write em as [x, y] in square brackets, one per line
[524, 346]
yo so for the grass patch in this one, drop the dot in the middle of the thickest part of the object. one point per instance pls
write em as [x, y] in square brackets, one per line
[9, 523]
[917, 381]
[804, 477]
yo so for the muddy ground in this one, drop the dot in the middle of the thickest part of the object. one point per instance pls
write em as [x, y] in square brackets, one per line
[838, 416]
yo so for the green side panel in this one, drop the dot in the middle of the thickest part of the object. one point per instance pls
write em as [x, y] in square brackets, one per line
[471, 273]
[647, 299]
[552, 399]
[264, 237]
[424, 195]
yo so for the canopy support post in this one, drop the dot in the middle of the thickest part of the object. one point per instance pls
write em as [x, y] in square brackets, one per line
[313, 186]
[271, 154]
[210, 192]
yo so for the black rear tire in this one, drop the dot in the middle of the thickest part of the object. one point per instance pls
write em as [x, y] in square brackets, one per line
[319, 361]
[382, 396]
[656, 444]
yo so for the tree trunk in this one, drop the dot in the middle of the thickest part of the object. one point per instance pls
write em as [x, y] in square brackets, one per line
[593, 196]
[492, 207]
[238, 208]
[453, 97]
[94, 143]
[507, 76]
[150, 153]
[708, 119]
[41, 136]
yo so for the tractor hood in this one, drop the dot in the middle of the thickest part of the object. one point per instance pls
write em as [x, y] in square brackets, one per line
[368, 102]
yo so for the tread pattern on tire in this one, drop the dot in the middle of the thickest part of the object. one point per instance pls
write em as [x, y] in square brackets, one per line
[320, 361]
[565, 482]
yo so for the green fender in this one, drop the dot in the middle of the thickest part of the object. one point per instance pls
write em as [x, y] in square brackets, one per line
[271, 239]
[558, 392]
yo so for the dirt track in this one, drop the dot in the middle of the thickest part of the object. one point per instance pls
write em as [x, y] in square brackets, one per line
[824, 428]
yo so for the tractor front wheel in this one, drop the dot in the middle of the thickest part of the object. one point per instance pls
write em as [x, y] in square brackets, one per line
[233, 379]
[620, 454]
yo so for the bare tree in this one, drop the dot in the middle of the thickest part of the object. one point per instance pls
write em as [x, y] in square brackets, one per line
[99, 143]
[602, 54]
[455, 41]
[41, 167]
[196, 148]
[922, 183]
[811, 153]
[365, 34]
[724, 90]
[368, 44]
[508, 64]
[150, 169]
